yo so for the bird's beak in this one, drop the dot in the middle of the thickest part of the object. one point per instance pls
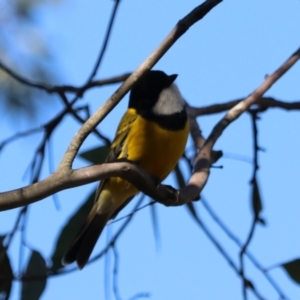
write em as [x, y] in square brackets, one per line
[172, 78]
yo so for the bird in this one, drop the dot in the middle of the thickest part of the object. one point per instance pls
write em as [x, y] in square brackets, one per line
[153, 134]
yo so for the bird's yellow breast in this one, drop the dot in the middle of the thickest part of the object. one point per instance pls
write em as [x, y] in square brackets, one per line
[154, 148]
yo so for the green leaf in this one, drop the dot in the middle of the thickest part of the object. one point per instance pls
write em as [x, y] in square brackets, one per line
[179, 176]
[96, 155]
[5, 272]
[256, 199]
[68, 232]
[293, 269]
[33, 289]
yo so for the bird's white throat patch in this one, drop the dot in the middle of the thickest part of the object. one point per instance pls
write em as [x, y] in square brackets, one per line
[169, 101]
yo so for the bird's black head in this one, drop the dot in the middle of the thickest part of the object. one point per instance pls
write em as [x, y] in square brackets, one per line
[145, 92]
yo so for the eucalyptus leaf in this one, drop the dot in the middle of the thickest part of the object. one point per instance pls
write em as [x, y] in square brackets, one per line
[96, 155]
[36, 268]
[293, 269]
[5, 272]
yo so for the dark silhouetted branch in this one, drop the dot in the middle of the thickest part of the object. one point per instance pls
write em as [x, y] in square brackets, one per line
[105, 42]
[235, 239]
[223, 252]
[264, 104]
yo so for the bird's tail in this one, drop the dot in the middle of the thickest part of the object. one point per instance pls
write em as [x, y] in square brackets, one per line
[82, 246]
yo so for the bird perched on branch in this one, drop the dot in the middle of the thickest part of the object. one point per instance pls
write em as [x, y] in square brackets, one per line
[153, 134]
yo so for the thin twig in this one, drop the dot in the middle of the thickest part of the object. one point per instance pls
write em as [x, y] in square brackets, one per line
[242, 252]
[107, 271]
[51, 170]
[105, 42]
[22, 238]
[51, 89]
[116, 272]
[132, 213]
[195, 130]
[140, 295]
[255, 205]
[9, 237]
[19, 135]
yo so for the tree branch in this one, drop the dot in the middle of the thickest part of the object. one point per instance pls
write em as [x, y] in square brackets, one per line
[61, 180]
[105, 43]
[264, 103]
[51, 89]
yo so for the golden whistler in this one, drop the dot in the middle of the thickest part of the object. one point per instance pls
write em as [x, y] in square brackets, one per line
[153, 134]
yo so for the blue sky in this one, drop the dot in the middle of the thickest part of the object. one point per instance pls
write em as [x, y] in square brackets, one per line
[223, 57]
